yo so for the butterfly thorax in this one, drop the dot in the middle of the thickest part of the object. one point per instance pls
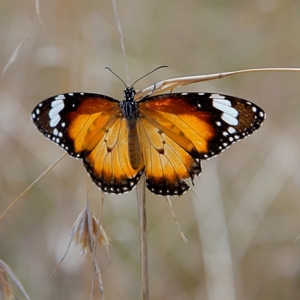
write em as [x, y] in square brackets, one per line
[129, 109]
[128, 106]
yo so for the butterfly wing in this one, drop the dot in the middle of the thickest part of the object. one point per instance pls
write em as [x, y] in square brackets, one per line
[178, 130]
[91, 127]
[108, 163]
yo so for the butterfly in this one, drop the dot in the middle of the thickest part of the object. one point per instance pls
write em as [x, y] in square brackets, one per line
[164, 136]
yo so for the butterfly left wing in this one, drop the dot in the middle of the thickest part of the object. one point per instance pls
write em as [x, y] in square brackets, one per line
[91, 127]
[108, 163]
[181, 129]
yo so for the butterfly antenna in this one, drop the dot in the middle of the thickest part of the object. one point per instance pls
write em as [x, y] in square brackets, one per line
[149, 74]
[116, 75]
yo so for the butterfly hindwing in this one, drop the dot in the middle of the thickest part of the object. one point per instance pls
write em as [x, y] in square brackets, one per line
[169, 155]
[108, 163]
[167, 164]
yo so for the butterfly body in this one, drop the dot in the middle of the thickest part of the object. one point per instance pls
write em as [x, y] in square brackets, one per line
[165, 136]
[129, 109]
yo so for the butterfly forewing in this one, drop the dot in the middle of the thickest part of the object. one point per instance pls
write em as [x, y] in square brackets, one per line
[211, 122]
[70, 119]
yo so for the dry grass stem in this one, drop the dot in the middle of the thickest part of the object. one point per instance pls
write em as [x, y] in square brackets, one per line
[171, 84]
[31, 185]
[142, 220]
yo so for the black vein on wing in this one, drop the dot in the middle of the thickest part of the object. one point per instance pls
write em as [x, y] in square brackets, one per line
[117, 142]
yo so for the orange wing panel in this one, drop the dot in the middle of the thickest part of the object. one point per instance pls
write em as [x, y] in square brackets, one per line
[87, 129]
[194, 124]
[108, 162]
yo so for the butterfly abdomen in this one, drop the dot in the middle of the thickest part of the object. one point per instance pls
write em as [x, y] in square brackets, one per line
[133, 145]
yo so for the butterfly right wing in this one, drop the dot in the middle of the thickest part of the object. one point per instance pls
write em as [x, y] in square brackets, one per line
[179, 130]
[91, 127]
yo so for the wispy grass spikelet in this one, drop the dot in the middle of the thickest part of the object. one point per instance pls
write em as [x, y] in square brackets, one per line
[6, 291]
[82, 236]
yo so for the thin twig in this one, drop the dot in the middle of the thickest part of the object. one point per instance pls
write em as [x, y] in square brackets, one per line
[30, 186]
[142, 218]
[170, 84]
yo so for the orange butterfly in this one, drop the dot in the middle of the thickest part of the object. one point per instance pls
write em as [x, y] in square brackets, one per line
[166, 136]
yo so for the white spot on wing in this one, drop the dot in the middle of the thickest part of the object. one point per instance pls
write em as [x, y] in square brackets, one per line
[225, 106]
[229, 119]
[229, 113]
[217, 96]
[56, 102]
[231, 130]
[55, 131]
[55, 120]
[57, 106]
[59, 97]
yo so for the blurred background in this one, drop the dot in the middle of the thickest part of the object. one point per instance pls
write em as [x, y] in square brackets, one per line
[243, 219]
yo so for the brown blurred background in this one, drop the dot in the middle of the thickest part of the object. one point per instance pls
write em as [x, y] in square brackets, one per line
[242, 229]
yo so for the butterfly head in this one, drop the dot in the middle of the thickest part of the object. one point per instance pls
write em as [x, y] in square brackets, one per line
[129, 94]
